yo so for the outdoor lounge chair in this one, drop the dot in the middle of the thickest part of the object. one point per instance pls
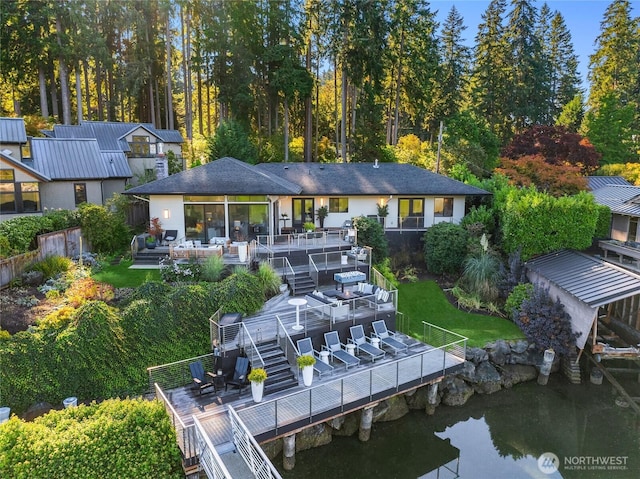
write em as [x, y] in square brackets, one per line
[201, 379]
[239, 379]
[170, 235]
[362, 346]
[335, 348]
[387, 338]
[305, 347]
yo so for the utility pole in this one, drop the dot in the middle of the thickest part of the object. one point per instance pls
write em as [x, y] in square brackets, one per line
[439, 146]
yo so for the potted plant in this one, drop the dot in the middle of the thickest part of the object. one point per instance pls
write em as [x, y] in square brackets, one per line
[321, 214]
[306, 362]
[150, 242]
[257, 377]
[309, 227]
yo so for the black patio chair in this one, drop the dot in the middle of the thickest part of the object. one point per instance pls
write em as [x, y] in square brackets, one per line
[239, 378]
[201, 379]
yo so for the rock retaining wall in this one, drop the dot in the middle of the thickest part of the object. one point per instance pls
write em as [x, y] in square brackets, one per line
[487, 370]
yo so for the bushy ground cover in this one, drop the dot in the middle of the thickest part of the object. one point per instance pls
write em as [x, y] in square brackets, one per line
[113, 439]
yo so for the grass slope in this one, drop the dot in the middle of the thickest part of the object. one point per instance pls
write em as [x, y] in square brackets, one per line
[120, 276]
[425, 301]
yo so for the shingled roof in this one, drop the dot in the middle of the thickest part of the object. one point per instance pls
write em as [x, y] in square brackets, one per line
[355, 179]
[231, 176]
[226, 176]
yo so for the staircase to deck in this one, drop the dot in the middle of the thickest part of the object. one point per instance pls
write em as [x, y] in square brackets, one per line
[279, 374]
[301, 283]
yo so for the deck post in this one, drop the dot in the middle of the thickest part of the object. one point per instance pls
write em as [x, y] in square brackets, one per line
[432, 398]
[289, 452]
[366, 419]
[545, 368]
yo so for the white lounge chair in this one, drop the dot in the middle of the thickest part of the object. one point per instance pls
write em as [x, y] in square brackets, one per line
[337, 351]
[306, 347]
[387, 338]
[362, 346]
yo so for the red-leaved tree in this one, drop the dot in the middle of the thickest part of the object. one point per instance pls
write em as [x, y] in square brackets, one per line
[556, 145]
[557, 180]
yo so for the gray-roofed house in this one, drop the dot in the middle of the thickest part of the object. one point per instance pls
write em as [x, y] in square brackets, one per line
[624, 202]
[78, 172]
[228, 195]
[144, 146]
[595, 182]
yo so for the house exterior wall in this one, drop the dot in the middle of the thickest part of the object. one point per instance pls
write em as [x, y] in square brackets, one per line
[619, 227]
[174, 205]
[109, 187]
[60, 194]
[14, 148]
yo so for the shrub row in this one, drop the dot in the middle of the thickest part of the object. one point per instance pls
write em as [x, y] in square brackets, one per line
[18, 235]
[113, 439]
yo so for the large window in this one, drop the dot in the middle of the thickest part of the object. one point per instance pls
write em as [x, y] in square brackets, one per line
[80, 192]
[443, 207]
[18, 197]
[338, 205]
[139, 145]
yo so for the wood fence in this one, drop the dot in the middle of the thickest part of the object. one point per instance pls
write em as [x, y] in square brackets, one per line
[61, 243]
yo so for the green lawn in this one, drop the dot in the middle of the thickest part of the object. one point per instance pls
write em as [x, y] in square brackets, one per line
[425, 301]
[120, 276]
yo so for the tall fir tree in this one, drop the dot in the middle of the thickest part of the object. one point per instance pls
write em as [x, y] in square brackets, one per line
[564, 65]
[528, 88]
[454, 65]
[489, 81]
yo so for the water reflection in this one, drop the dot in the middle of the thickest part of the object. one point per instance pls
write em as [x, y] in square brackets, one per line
[497, 436]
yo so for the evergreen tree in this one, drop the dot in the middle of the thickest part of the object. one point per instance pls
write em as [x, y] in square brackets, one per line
[527, 86]
[489, 81]
[564, 66]
[614, 66]
[454, 66]
[572, 114]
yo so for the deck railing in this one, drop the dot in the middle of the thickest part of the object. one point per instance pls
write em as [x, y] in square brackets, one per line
[286, 344]
[185, 435]
[282, 266]
[250, 450]
[452, 343]
[342, 395]
[177, 374]
[210, 461]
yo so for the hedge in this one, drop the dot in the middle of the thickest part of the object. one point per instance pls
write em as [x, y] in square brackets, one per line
[113, 439]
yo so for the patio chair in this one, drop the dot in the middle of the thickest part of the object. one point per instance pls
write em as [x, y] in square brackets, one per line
[337, 351]
[387, 338]
[170, 235]
[305, 347]
[362, 346]
[201, 379]
[239, 378]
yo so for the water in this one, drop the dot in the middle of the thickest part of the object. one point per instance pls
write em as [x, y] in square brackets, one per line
[498, 436]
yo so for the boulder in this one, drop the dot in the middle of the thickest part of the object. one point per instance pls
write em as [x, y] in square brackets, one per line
[456, 392]
[488, 379]
[468, 372]
[37, 410]
[499, 352]
[272, 448]
[517, 373]
[391, 409]
[346, 425]
[416, 398]
[313, 436]
[477, 355]
[519, 346]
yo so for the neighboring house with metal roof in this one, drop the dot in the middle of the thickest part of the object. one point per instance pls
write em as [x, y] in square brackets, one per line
[624, 202]
[595, 182]
[228, 195]
[78, 172]
[584, 284]
[20, 187]
[145, 146]
[13, 138]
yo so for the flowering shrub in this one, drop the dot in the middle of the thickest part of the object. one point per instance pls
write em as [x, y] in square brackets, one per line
[173, 272]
